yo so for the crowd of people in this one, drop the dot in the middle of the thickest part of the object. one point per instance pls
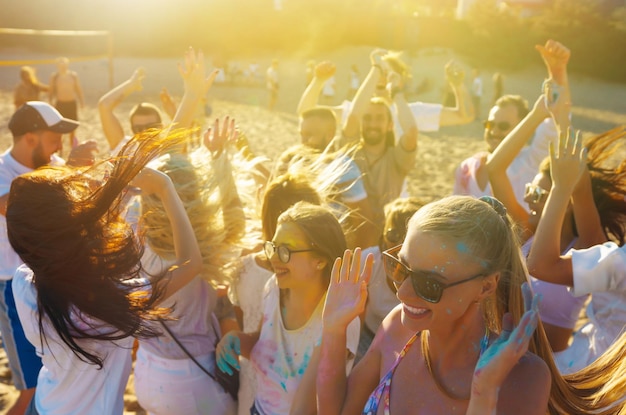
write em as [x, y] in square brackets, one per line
[231, 285]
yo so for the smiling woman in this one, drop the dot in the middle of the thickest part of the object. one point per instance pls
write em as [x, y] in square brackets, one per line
[285, 350]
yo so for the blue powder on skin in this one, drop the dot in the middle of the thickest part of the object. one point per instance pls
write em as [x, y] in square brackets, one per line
[462, 248]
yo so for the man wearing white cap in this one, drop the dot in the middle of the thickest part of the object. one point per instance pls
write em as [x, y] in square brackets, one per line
[37, 128]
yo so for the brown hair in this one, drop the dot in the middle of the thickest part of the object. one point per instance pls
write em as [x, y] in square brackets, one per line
[322, 230]
[515, 100]
[282, 193]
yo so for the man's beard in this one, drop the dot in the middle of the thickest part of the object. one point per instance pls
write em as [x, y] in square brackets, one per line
[376, 138]
[39, 159]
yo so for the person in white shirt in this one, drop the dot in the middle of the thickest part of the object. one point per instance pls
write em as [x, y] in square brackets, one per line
[476, 91]
[428, 116]
[284, 350]
[82, 295]
[471, 176]
[37, 128]
[599, 270]
[248, 287]
[271, 83]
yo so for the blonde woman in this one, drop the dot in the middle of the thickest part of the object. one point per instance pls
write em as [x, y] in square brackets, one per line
[459, 275]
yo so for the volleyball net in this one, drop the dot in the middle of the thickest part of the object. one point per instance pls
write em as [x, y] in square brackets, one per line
[68, 43]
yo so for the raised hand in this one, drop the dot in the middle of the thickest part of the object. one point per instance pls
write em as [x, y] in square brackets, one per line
[325, 70]
[167, 102]
[83, 154]
[568, 164]
[137, 78]
[227, 353]
[151, 181]
[215, 139]
[556, 56]
[496, 362]
[192, 73]
[347, 291]
[376, 57]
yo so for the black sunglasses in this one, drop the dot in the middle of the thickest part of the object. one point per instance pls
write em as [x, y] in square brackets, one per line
[502, 125]
[138, 128]
[284, 253]
[536, 193]
[424, 283]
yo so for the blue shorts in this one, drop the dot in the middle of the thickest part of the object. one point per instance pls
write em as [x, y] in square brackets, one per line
[23, 361]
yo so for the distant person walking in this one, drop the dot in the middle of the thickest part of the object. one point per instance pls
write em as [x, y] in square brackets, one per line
[271, 80]
[477, 91]
[65, 91]
[29, 87]
[355, 82]
[498, 86]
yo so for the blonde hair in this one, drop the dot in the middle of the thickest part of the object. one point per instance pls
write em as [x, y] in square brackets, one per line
[492, 238]
[212, 205]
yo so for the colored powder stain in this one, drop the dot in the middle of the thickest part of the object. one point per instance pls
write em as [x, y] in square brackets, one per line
[443, 246]
[461, 247]
[529, 331]
[448, 311]
[571, 363]
[282, 385]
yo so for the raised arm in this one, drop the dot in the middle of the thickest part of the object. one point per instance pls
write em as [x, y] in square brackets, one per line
[196, 87]
[215, 139]
[567, 166]
[309, 99]
[188, 261]
[111, 126]
[464, 112]
[347, 294]
[352, 127]
[408, 141]
[499, 161]
[505, 377]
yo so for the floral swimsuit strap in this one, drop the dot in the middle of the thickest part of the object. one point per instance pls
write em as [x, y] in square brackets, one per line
[384, 387]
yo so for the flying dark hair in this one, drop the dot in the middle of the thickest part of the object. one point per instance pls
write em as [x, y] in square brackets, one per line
[68, 229]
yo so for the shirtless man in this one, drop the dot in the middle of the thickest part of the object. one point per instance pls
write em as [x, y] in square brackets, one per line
[65, 92]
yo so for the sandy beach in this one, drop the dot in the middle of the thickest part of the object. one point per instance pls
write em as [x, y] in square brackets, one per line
[598, 106]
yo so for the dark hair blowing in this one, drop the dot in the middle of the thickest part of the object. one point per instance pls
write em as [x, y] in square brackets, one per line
[68, 229]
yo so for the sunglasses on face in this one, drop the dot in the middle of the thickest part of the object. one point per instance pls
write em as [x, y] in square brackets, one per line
[425, 284]
[284, 253]
[536, 193]
[502, 125]
[138, 128]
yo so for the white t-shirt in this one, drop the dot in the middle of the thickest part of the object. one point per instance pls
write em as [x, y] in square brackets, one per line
[9, 170]
[477, 87]
[522, 170]
[380, 298]
[427, 116]
[350, 183]
[281, 356]
[601, 272]
[247, 293]
[66, 385]
[271, 78]
[329, 87]
[193, 307]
